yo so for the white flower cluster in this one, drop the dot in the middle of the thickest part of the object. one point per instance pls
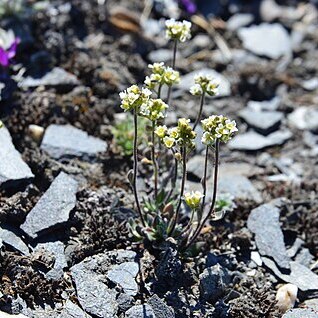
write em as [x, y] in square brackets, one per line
[217, 127]
[182, 135]
[177, 30]
[161, 75]
[153, 109]
[204, 84]
[134, 97]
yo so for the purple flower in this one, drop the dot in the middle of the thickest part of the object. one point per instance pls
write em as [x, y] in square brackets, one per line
[189, 5]
[8, 47]
[7, 55]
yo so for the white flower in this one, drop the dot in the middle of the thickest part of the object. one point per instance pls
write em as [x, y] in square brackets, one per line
[217, 127]
[208, 85]
[134, 98]
[193, 199]
[161, 75]
[177, 30]
[196, 90]
[6, 39]
[153, 109]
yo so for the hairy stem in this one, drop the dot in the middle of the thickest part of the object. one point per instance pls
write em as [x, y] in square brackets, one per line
[215, 185]
[200, 111]
[159, 91]
[204, 183]
[135, 169]
[183, 180]
[174, 177]
[154, 160]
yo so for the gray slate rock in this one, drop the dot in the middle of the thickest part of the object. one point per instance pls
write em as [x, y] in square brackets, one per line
[66, 141]
[12, 168]
[195, 167]
[125, 276]
[304, 257]
[72, 310]
[265, 105]
[270, 40]
[252, 141]
[239, 20]
[239, 187]
[160, 308]
[264, 223]
[162, 55]
[213, 282]
[53, 208]
[304, 118]
[57, 250]
[10, 238]
[299, 275]
[140, 311]
[311, 304]
[55, 78]
[263, 122]
[93, 294]
[187, 81]
[301, 313]
[294, 249]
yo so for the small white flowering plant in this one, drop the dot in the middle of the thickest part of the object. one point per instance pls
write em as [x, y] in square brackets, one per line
[162, 212]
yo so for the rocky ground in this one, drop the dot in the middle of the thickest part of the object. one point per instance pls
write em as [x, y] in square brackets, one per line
[64, 197]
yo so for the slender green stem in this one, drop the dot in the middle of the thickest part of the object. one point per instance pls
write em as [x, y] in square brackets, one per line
[215, 185]
[200, 111]
[173, 66]
[174, 54]
[183, 180]
[190, 221]
[154, 160]
[135, 169]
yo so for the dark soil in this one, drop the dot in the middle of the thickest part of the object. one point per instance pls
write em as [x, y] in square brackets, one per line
[106, 59]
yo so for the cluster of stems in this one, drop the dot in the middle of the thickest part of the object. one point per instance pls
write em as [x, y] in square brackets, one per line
[180, 142]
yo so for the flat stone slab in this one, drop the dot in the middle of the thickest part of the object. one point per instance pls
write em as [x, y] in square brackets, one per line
[10, 238]
[271, 40]
[57, 250]
[239, 20]
[195, 167]
[12, 168]
[160, 308]
[262, 122]
[187, 81]
[93, 294]
[264, 223]
[252, 141]
[72, 310]
[125, 276]
[299, 275]
[304, 118]
[239, 187]
[53, 208]
[265, 105]
[66, 141]
[301, 313]
[56, 77]
[140, 311]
